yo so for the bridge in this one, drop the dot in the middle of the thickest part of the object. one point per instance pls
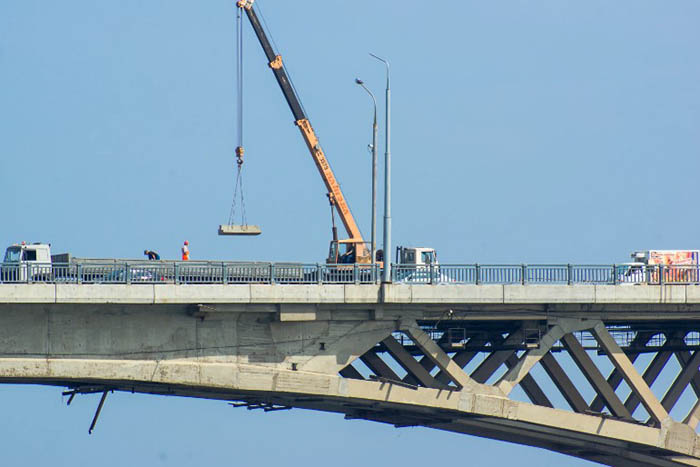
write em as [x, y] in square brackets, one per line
[447, 355]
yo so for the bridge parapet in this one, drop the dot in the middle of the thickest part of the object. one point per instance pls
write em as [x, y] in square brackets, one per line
[349, 293]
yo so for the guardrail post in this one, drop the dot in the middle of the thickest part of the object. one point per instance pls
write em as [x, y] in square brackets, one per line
[79, 274]
[614, 274]
[431, 279]
[568, 274]
[224, 278]
[523, 272]
[319, 273]
[477, 274]
[127, 273]
[176, 273]
[356, 273]
[661, 274]
[272, 273]
[30, 273]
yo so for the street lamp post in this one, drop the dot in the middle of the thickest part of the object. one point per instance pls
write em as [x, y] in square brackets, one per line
[387, 179]
[374, 170]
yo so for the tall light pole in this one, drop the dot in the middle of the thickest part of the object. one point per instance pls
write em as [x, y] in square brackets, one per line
[387, 179]
[374, 171]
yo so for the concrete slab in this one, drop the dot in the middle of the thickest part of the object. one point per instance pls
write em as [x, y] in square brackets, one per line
[397, 293]
[297, 293]
[692, 294]
[673, 293]
[23, 330]
[202, 293]
[469, 293]
[627, 293]
[23, 368]
[516, 293]
[362, 293]
[27, 293]
[104, 293]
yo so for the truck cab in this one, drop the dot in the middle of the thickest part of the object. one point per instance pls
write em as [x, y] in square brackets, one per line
[418, 265]
[416, 256]
[19, 257]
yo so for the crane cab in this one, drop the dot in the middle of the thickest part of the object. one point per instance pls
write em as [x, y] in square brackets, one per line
[335, 256]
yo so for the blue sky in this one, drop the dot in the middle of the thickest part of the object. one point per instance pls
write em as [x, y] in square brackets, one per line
[533, 132]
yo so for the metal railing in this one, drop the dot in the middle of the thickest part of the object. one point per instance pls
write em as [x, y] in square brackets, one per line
[181, 272]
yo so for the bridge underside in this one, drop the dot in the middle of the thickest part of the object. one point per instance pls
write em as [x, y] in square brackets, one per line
[593, 381]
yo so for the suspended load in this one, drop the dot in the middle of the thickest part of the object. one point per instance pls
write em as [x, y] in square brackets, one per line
[243, 228]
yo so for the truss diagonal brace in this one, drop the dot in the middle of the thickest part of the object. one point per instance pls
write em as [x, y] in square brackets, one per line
[409, 363]
[378, 366]
[683, 358]
[615, 378]
[564, 384]
[462, 358]
[439, 357]
[595, 377]
[494, 361]
[681, 382]
[514, 375]
[530, 386]
[629, 373]
[650, 374]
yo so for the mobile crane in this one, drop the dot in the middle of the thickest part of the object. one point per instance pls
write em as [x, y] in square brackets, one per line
[356, 247]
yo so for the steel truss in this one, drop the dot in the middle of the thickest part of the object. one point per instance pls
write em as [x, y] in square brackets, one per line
[455, 354]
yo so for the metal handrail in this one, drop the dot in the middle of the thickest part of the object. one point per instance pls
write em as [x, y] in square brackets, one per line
[210, 272]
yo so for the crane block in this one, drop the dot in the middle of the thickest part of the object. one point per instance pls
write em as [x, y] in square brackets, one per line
[237, 229]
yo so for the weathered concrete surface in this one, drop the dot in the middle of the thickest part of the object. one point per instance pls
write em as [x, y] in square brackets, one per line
[350, 293]
[286, 344]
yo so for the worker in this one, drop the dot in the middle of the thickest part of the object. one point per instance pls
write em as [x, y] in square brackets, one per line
[186, 251]
[151, 254]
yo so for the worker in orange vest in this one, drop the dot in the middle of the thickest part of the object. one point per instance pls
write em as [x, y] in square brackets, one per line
[185, 251]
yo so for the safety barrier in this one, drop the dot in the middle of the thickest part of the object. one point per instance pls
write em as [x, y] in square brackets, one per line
[177, 272]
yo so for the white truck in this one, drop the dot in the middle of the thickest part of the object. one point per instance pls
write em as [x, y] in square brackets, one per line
[661, 266]
[34, 261]
[419, 265]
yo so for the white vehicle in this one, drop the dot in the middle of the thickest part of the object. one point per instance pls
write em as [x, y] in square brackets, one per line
[416, 256]
[34, 261]
[19, 256]
[418, 265]
[661, 266]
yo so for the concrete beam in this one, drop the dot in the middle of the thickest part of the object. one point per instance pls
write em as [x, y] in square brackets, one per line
[681, 382]
[650, 374]
[693, 417]
[439, 357]
[378, 366]
[462, 358]
[493, 362]
[615, 377]
[528, 360]
[683, 358]
[629, 373]
[564, 384]
[409, 363]
[594, 377]
[530, 387]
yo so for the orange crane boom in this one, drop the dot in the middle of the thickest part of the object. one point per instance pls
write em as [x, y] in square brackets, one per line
[355, 240]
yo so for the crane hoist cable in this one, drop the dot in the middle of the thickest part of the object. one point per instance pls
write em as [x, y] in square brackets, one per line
[243, 228]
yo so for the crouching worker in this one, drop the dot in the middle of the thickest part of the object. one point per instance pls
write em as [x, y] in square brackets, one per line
[151, 254]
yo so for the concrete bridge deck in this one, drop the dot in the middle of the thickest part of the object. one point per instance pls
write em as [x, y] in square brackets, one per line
[442, 356]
